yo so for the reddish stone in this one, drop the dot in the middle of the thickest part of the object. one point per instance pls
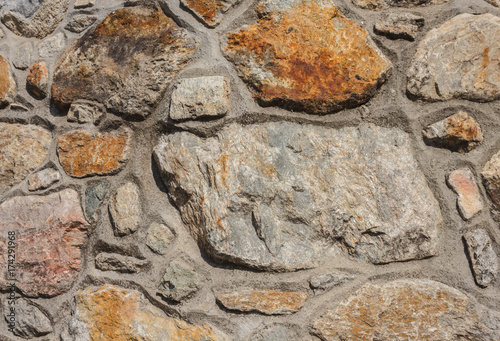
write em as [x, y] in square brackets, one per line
[7, 83]
[38, 79]
[209, 11]
[469, 202]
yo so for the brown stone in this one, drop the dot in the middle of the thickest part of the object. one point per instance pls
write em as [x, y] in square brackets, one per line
[408, 310]
[7, 83]
[125, 63]
[494, 2]
[399, 26]
[38, 79]
[384, 4]
[305, 55]
[83, 153]
[268, 302]
[209, 11]
[114, 313]
[462, 182]
[50, 232]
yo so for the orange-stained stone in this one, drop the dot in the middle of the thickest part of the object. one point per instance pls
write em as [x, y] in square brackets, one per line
[209, 11]
[462, 182]
[7, 83]
[306, 55]
[83, 153]
[269, 302]
[37, 79]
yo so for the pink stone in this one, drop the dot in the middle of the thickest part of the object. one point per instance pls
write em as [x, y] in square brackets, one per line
[462, 182]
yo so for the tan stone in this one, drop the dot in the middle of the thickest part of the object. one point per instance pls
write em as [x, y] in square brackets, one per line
[125, 209]
[491, 176]
[43, 179]
[7, 82]
[37, 80]
[462, 182]
[384, 4]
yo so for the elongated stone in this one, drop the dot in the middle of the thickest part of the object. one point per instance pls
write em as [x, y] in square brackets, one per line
[462, 182]
[483, 258]
[268, 302]
[399, 26]
[491, 177]
[384, 4]
[43, 179]
[114, 262]
[38, 79]
[125, 209]
[327, 281]
[7, 82]
[210, 12]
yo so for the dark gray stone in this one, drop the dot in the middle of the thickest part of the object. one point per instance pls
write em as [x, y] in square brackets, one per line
[30, 321]
[94, 195]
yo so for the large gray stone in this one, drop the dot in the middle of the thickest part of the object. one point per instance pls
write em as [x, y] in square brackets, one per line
[29, 321]
[276, 196]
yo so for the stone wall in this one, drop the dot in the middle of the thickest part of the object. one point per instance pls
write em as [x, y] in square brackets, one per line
[250, 170]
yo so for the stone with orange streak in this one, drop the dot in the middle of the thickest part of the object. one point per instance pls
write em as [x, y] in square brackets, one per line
[462, 182]
[114, 313]
[267, 302]
[50, 234]
[7, 82]
[210, 12]
[408, 310]
[38, 79]
[83, 153]
[306, 55]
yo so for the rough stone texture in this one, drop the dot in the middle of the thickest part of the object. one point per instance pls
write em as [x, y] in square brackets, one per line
[491, 177]
[39, 24]
[115, 262]
[52, 232]
[113, 313]
[23, 57]
[37, 80]
[30, 321]
[458, 132]
[268, 302]
[125, 209]
[494, 2]
[462, 182]
[275, 333]
[94, 195]
[408, 310]
[126, 62]
[384, 4]
[210, 12]
[52, 46]
[200, 97]
[274, 196]
[179, 282]
[80, 23]
[7, 82]
[305, 55]
[24, 7]
[159, 238]
[399, 26]
[483, 258]
[43, 179]
[22, 149]
[83, 111]
[83, 153]
[84, 3]
[325, 282]
[458, 60]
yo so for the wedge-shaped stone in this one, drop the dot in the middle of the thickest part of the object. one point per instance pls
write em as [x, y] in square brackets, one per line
[210, 12]
[268, 302]
[305, 55]
[275, 196]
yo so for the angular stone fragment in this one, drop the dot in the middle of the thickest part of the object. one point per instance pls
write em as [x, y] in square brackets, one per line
[275, 196]
[200, 97]
[84, 3]
[29, 321]
[384, 4]
[23, 148]
[305, 55]
[114, 313]
[22, 60]
[7, 82]
[179, 282]
[43, 179]
[94, 195]
[30, 24]
[83, 111]
[83, 153]
[494, 2]
[327, 281]
[37, 81]
[80, 23]
[125, 209]
[24, 7]
[50, 233]
[491, 177]
[399, 26]
[125, 63]
[209, 11]
[408, 310]
[268, 302]
[458, 60]
[458, 132]
[52, 46]
[115, 262]
[159, 238]
[462, 182]
[276, 332]
[483, 258]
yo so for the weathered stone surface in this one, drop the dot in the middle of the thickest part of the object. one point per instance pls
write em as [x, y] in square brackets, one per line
[408, 310]
[115, 262]
[29, 321]
[83, 153]
[7, 82]
[80, 23]
[491, 177]
[268, 302]
[180, 281]
[84, 3]
[94, 195]
[458, 60]
[83, 111]
[22, 60]
[43, 179]
[36, 19]
[462, 182]
[159, 238]
[384, 4]
[126, 62]
[24, 7]
[275, 332]
[274, 196]
[37, 80]
[305, 55]
[458, 132]
[51, 232]
[52, 46]
[22, 149]
[327, 281]
[210, 12]
[483, 258]
[200, 97]
[114, 313]
[125, 209]
[399, 26]
[494, 2]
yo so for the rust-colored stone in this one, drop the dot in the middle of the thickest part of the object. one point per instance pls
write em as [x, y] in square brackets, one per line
[37, 79]
[209, 11]
[7, 83]
[306, 55]
[268, 302]
[462, 182]
[83, 153]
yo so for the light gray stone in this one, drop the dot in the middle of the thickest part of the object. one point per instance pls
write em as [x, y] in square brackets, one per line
[399, 26]
[30, 321]
[159, 238]
[276, 196]
[494, 2]
[180, 281]
[52, 46]
[327, 281]
[200, 97]
[23, 57]
[43, 179]
[80, 23]
[491, 177]
[115, 262]
[277, 332]
[24, 7]
[483, 258]
[84, 3]
[83, 111]
[125, 209]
